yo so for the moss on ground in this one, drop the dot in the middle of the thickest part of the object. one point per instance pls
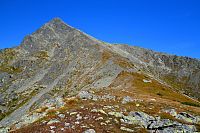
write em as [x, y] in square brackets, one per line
[41, 54]
[6, 57]
[9, 69]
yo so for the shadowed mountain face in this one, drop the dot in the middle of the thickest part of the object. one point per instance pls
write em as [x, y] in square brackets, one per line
[61, 79]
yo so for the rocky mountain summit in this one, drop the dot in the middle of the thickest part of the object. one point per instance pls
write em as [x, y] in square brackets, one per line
[60, 79]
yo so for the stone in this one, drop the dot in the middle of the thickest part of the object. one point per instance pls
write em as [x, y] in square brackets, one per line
[85, 95]
[61, 116]
[116, 121]
[108, 97]
[102, 123]
[90, 131]
[108, 107]
[108, 121]
[52, 127]
[77, 122]
[127, 99]
[153, 99]
[99, 110]
[67, 124]
[4, 130]
[59, 102]
[129, 120]
[29, 118]
[85, 117]
[53, 121]
[73, 113]
[116, 114]
[94, 110]
[78, 117]
[146, 81]
[171, 112]
[95, 98]
[102, 111]
[126, 129]
[187, 117]
[99, 118]
[142, 117]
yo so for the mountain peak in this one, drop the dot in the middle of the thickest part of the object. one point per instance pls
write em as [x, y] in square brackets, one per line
[53, 31]
[58, 25]
[59, 74]
[57, 21]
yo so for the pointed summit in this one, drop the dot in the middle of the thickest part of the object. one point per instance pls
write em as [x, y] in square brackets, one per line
[57, 22]
[53, 31]
[56, 19]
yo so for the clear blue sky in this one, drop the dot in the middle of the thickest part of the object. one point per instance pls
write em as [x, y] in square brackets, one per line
[171, 26]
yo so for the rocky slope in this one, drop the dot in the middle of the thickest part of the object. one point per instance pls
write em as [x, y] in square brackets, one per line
[182, 73]
[62, 80]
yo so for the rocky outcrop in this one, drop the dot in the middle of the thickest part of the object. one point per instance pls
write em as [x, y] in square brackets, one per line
[153, 124]
[86, 95]
[183, 116]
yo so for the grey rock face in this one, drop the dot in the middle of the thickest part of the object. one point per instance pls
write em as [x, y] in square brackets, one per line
[49, 57]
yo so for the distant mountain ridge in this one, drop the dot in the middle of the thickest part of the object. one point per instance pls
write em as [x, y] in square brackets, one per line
[178, 71]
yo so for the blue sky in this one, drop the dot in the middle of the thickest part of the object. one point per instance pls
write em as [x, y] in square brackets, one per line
[171, 26]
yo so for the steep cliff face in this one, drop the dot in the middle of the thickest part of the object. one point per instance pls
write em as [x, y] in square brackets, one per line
[59, 71]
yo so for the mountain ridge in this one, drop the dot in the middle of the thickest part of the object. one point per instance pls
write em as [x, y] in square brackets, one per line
[61, 69]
